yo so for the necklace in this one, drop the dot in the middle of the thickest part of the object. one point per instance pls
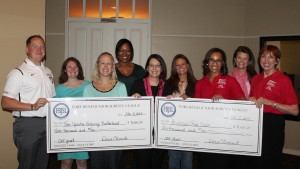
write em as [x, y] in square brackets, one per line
[181, 87]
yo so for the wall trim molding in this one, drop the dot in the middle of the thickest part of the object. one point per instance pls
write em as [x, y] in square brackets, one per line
[291, 151]
[206, 36]
[59, 34]
[223, 36]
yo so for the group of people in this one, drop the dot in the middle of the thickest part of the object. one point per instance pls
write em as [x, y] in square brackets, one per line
[29, 85]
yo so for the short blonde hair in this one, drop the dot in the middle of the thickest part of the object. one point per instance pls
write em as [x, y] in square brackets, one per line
[96, 75]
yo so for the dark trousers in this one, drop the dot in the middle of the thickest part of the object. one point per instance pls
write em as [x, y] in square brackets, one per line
[240, 162]
[30, 139]
[272, 143]
[224, 161]
[149, 158]
[105, 159]
[214, 161]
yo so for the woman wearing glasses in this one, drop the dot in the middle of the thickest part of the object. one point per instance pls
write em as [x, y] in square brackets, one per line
[216, 84]
[152, 85]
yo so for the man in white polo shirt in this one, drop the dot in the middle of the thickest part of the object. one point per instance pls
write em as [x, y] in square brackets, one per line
[25, 93]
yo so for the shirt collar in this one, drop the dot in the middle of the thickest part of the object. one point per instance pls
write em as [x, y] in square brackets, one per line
[29, 62]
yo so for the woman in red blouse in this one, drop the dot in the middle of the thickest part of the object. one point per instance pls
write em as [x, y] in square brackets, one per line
[217, 84]
[274, 91]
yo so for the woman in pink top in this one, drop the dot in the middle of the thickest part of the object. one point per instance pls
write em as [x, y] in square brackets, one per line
[244, 68]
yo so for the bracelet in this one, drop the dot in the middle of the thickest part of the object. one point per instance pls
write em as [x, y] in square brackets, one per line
[31, 106]
[274, 105]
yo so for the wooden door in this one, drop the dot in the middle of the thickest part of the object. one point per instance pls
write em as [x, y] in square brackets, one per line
[87, 40]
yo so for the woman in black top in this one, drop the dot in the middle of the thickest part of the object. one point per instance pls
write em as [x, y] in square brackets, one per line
[182, 80]
[152, 85]
[126, 70]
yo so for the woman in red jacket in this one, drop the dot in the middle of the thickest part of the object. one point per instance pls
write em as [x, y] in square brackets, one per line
[274, 91]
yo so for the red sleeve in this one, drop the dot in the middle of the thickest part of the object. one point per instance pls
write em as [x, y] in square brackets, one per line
[253, 84]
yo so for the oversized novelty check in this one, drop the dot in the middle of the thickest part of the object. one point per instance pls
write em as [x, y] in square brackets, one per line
[89, 124]
[229, 127]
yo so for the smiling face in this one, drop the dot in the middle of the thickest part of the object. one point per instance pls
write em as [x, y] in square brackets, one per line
[181, 66]
[36, 50]
[268, 62]
[72, 69]
[105, 65]
[124, 54]
[215, 63]
[242, 60]
[154, 68]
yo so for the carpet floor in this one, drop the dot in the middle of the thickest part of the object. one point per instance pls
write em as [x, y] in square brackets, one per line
[288, 162]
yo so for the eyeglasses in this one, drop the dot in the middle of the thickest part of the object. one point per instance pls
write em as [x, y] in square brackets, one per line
[154, 66]
[212, 61]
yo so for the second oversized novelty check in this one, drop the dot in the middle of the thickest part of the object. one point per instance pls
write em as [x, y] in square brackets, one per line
[90, 124]
[229, 127]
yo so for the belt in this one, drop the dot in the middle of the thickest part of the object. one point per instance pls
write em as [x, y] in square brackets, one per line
[33, 117]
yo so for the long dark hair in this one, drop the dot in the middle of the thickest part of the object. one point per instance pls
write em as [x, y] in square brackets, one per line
[63, 74]
[251, 65]
[163, 73]
[224, 68]
[173, 80]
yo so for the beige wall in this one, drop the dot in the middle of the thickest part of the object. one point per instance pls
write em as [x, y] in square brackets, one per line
[270, 18]
[19, 19]
[55, 35]
[193, 27]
